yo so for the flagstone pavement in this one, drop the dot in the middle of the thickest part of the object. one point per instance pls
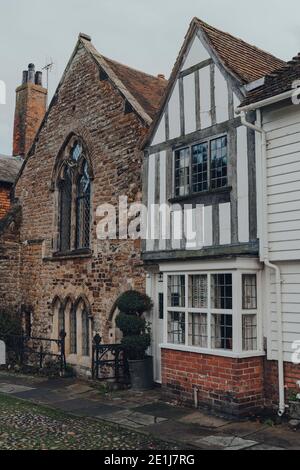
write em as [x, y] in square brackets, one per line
[149, 414]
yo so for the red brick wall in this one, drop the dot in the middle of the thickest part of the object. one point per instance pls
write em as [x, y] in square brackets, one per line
[291, 375]
[233, 385]
[29, 113]
[4, 200]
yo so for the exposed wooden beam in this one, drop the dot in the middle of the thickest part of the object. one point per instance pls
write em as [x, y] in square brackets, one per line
[197, 67]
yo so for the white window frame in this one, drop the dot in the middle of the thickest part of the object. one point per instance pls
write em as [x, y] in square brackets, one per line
[236, 312]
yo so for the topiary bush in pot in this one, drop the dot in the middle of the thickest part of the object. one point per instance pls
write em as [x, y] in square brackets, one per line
[136, 337]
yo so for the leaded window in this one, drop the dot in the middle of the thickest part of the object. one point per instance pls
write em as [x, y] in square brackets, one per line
[83, 209]
[201, 167]
[65, 210]
[75, 199]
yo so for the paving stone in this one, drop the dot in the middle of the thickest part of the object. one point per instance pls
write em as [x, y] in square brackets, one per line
[13, 388]
[204, 420]
[79, 389]
[162, 410]
[227, 442]
[264, 447]
[145, 419]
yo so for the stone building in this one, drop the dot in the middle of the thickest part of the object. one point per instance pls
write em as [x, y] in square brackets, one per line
[9, 169]
[84, 154]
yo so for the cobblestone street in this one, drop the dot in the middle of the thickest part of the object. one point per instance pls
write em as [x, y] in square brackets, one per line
[25, 426]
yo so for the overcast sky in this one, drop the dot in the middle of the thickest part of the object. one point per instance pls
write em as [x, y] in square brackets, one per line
[145, 34]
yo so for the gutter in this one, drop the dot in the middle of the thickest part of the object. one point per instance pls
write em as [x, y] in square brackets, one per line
[266, 102]
[264, 248]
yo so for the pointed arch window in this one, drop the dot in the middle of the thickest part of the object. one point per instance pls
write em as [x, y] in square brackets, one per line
[65, 210]
[73, 331]
[85, 333]
[83, 198]
[74, 199]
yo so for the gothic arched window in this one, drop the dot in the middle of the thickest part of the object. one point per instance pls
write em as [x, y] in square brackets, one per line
[65, 210]
[73, 331]
[83, 196]
[74, 199]
[85, 332]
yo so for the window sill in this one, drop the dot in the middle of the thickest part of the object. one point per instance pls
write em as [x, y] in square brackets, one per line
[214, 352]
[61, 256]
[204, 197]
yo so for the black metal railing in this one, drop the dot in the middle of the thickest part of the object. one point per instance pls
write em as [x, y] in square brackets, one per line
[109, 362]
[32, 351]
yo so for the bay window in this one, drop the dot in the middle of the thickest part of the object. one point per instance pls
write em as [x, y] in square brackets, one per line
[213, 312]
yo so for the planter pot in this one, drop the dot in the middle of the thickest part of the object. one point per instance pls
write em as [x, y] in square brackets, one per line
[295, 410]
[141, 374]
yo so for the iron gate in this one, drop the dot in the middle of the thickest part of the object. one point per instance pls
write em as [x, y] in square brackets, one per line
[32, 351]
[109, 362]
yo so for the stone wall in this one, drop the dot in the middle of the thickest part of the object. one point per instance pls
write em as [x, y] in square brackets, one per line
[95, 111]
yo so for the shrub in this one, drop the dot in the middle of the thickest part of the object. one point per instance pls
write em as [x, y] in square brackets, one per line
[135, 347]
[10, 324]
[130, 324]
[134, 303]
[136, 335]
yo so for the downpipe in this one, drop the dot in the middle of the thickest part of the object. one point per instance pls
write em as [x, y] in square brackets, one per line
[265, 256]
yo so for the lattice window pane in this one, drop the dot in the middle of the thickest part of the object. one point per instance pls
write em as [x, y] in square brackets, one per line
[85, 333]
[218, 162]
[198, 291]
[221, 291]
[249, 332]
[73, 332]
[249, 282]
[182, 172]
[221, 332]
[198, 330]
[83, 210]
[65, 211]
[176, 328]
[176, 291]
[200, 167]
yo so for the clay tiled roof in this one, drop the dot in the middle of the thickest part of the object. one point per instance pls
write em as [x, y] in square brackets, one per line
[147, 89]
[143, 91]
[276, 83]
[9, 168]
[248, 62]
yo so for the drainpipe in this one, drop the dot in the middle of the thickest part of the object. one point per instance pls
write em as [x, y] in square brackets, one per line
[264, 251]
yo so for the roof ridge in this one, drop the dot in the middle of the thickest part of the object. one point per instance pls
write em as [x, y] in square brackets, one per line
[203, 23]
[133, 68]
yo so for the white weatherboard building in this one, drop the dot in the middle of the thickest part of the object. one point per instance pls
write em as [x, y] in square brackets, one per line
[215, 320]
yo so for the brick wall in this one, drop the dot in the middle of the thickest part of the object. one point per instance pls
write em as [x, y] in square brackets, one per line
[291, 376]
[233, 385]
[4, 200]
[29, 113]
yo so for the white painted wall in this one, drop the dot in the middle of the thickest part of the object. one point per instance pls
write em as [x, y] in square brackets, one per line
[283, 188]
[242, 185]
[283, 215]
[290, 310]
[197, 53]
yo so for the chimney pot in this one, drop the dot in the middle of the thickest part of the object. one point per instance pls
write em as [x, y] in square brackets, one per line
[25, 77]
[31, 73]
[39, 78]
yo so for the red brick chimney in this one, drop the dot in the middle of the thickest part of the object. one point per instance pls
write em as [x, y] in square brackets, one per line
[31, 103]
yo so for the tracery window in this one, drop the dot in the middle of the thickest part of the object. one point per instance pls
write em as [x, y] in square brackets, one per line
[74, 184]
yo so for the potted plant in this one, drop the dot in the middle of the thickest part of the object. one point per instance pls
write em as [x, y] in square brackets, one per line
[136, 337]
